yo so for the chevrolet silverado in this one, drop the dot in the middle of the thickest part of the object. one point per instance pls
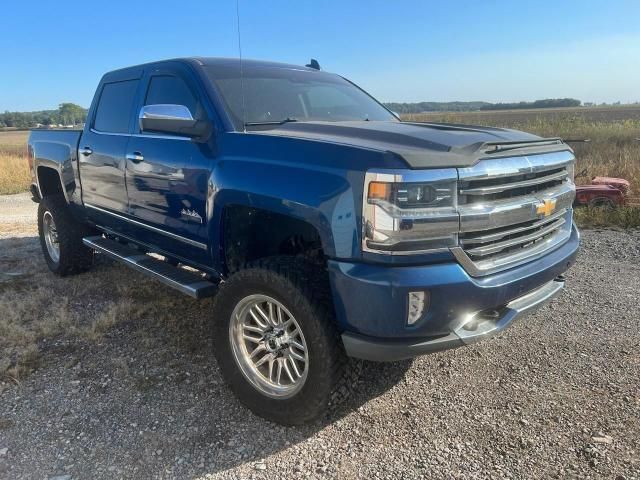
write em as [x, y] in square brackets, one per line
[326, 228]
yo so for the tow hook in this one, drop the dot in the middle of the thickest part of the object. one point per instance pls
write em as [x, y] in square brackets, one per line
[560, 278]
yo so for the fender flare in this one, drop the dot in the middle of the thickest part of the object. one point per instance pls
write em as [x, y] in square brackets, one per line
[59, 158]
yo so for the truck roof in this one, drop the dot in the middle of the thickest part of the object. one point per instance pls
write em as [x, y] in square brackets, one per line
[214, 61]
[204, 61]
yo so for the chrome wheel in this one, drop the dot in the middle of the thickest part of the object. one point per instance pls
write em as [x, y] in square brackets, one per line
[51, 236]
[269, 346]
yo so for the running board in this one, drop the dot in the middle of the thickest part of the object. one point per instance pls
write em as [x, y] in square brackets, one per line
[187, 282]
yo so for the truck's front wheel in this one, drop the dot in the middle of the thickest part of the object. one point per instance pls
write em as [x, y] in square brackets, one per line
[276, 342]
[61, 237]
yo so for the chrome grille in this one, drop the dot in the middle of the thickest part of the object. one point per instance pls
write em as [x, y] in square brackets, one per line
[513, 209]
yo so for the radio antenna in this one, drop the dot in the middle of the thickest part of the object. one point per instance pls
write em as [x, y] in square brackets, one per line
[244, 112]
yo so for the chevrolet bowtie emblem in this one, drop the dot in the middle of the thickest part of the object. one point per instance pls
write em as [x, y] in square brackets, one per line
[546, 208]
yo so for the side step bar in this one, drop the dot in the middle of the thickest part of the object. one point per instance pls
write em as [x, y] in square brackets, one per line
[187, 282]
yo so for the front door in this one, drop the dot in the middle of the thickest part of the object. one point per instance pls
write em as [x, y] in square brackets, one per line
[167, 176]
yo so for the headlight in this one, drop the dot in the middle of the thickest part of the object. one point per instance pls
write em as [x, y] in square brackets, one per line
[410, 212]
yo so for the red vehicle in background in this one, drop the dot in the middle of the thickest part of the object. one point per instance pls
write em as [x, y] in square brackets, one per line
[602, 192]
[606, 192]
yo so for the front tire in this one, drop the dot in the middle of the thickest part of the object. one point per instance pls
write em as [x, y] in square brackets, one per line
[276, 343]
[61, 237]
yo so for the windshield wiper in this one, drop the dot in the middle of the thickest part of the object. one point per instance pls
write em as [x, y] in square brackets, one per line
[274, 122]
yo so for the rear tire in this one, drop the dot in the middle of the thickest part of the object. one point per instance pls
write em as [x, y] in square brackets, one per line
[61, 237]
[298, 295]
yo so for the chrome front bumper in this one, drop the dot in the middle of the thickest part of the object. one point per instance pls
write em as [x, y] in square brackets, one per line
[478, 326]
[469, 329]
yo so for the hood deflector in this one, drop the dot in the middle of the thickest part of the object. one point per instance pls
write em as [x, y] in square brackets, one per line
[423, 145]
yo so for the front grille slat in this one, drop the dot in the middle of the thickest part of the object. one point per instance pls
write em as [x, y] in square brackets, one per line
[488, 190]
[514, 209]
[485, 250]
[489, 214]
[490, 237]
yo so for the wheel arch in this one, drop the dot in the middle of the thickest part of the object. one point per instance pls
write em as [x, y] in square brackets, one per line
[49, 181]
[319, 200]
[251, 233]
[58, 156]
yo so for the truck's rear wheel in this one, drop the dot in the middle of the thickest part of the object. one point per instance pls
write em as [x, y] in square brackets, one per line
[61, 237]
[276, 342]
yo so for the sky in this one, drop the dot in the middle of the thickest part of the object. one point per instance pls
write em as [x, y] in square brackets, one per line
[397, 50]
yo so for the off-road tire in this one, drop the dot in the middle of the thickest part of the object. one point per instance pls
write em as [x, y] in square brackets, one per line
[74, 256]
[303, 289]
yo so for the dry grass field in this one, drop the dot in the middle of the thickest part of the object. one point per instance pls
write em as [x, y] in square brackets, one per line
[524, 116]
[14, 171]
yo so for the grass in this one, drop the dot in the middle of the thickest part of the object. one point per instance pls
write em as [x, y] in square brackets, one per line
[14, 173]
[14, 138]
[14, 169]
[41, 313]
[623, 217]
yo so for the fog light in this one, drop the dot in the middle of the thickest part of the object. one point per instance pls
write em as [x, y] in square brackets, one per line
[418, 304]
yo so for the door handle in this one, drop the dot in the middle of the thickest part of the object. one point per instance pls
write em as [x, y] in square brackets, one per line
[135, 157]
[86, 151]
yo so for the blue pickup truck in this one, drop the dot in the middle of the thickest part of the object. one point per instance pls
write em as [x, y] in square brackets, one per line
[326, 228]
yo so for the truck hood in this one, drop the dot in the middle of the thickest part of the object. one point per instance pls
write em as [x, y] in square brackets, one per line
[423, 145]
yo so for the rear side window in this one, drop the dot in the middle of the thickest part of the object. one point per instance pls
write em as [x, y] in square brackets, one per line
[171, 90]
[115, 105]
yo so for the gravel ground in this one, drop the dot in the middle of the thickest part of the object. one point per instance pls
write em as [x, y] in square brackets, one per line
[555, 396]
[17, 209]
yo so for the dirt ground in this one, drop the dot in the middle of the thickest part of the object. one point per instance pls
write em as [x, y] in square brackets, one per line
[17, 210]
[110, 375]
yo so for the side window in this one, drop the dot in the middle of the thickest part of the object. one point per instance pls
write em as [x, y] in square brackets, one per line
[114, 108]
[168, 89]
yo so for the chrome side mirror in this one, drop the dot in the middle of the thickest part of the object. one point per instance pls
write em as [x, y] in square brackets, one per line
[173, 119]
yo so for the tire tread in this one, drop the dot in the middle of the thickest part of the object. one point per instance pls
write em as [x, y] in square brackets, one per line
[297, 277]
[75, 257]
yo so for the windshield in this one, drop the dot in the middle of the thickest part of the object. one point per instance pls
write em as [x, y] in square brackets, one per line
[273, 95]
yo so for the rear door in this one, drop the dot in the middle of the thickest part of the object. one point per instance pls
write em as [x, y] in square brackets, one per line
[167, 175]
[102, 147]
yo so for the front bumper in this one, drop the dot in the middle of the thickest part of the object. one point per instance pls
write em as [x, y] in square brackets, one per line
[371, 303]
[472, 329]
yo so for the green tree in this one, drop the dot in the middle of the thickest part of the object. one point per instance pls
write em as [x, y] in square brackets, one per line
[71, 114]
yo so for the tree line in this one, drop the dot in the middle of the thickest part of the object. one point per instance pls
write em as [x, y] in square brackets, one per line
[72, 114]
[66, 114]
[420, 107]
[546, 103]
